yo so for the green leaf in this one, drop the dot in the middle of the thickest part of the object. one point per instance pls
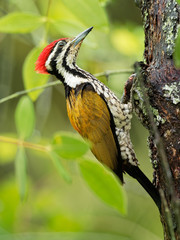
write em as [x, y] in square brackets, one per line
[61, 170]
[68, 146]
[104, 184]
[21, 171]
[30, 77]
[25, 117]
[177, 51]
[89, 12]
[20, 22]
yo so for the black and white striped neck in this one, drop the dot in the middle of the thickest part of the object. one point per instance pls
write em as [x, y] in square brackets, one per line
[61, 63]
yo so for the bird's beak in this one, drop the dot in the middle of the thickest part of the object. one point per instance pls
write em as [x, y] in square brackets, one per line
[79, 38]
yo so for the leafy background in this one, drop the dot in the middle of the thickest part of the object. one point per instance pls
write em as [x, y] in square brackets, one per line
[51, 186]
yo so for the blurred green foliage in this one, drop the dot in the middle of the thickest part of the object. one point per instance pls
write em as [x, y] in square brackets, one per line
[177, 51]
[30, 78]
[25, 118]
[38, 203]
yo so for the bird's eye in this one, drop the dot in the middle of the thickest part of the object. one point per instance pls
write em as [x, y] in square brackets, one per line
[62, 43]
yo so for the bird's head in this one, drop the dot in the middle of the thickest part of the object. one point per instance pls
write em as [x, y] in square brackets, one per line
[60, 54]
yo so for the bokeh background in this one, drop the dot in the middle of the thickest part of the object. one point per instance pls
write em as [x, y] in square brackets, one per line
[54, 209]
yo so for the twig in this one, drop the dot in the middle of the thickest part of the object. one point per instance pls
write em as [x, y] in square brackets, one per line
[114, 72]
[18, 94]
[57, 82]
[168, 215]
[20, 142]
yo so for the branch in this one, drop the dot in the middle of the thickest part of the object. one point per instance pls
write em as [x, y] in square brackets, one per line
[157, 137]
[163, 160]
[57, 82]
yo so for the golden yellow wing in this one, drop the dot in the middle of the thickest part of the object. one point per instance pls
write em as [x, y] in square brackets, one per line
[90, 116]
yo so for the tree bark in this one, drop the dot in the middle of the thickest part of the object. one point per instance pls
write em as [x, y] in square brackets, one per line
[156, 99]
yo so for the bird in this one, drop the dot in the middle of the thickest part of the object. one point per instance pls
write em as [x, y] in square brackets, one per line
[94, 111]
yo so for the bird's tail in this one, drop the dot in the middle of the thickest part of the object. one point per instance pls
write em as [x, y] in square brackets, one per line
[136, 173]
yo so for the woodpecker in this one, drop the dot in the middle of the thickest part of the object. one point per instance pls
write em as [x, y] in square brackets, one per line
[94, 110]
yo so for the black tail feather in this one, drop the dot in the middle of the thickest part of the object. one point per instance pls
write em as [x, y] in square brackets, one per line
[136, 173]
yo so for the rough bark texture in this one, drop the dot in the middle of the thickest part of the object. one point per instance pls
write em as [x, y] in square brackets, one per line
[156, 96]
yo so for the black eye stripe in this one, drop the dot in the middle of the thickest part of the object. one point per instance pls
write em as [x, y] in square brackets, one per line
[58, 51]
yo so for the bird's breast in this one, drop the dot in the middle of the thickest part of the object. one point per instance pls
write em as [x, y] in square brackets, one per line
[90, 116]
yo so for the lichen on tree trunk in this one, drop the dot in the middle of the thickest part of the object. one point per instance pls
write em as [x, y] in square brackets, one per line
[156, 98]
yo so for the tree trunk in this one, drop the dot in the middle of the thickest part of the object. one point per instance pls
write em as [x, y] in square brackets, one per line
[156, 98]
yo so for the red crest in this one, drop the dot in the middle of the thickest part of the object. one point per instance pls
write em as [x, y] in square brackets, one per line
[40, 63]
